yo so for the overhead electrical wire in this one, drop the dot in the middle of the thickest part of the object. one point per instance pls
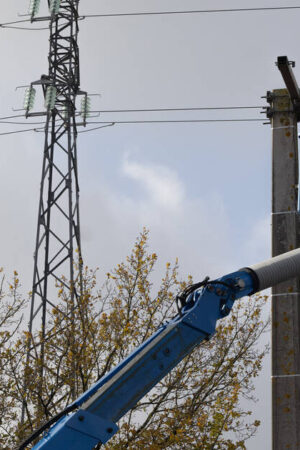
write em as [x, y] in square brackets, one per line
[97, 128]
[205, 108]
[110, 124]
[11, 25]
[20, 131]
[105, 124]
[15, 22]
[192, 11]
[12, 117]
[24, 28]
[195, 11]
[6, 119]
[179, 121]
[21, 123]
[154, 13]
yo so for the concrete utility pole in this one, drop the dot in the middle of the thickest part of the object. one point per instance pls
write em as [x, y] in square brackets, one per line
[284, 113]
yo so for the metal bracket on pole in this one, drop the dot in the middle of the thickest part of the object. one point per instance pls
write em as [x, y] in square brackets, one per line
[285, 66]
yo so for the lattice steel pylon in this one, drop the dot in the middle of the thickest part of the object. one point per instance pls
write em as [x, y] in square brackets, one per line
[58, 230]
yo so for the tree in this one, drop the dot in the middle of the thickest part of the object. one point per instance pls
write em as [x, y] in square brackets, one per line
[11, 306]
[196, 406]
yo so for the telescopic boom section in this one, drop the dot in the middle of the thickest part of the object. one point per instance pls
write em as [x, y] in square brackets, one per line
[109, 399]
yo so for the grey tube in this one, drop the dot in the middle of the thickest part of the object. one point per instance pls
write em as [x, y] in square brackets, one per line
[277, 269]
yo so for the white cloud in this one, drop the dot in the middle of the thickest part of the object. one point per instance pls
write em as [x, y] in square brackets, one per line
[161, 184]
[196, 230]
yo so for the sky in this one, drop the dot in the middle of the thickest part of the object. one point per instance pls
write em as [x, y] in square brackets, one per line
[202, 189]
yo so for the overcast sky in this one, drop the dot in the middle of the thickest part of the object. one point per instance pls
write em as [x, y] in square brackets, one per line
[202, 189]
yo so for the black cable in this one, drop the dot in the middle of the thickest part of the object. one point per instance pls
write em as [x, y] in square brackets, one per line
[14, 22]
[21, 123]
[23, 28]
[20, 131]
[199, 11]
[46, 425]
[181, 298]
[149, 13]
[97, 128]
[179, 121]
[108, 124]
[205, 108]
[126, 122]
[10, 25]
[12, 117]
[154, 13]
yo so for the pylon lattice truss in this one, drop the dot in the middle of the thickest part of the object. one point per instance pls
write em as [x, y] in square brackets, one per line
[58, 229]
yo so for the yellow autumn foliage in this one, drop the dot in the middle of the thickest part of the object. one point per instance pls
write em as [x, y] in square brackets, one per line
[196, 406]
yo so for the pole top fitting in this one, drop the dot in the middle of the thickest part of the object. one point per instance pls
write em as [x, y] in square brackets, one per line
[284, 61]
[285, 67]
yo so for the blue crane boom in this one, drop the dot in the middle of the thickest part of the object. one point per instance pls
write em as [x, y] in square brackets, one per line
[101, 407]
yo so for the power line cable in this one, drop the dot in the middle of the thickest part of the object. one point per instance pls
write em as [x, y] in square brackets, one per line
[127, 122]
[97, 128]
[24, 28]
[21, 123]
[179, 121]
[5, 120]
[177, 109]
[155, 13]
[15, 22]
[21, 131]
[196, 11]
[205, 108]
[12, 117]
[11, 25]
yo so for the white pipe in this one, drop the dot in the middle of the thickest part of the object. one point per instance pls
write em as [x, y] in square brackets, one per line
[278, 269]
